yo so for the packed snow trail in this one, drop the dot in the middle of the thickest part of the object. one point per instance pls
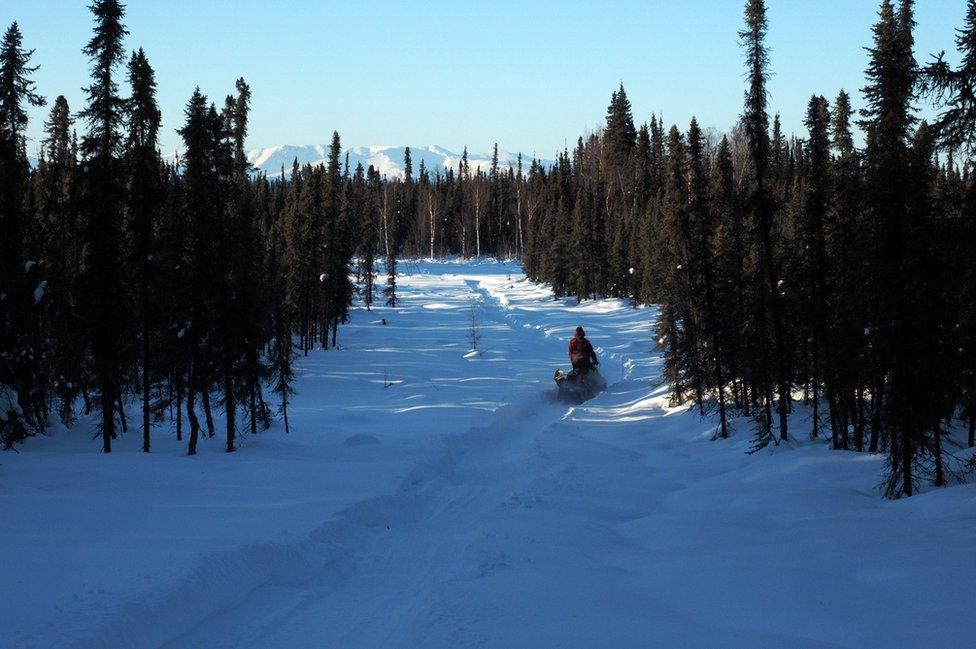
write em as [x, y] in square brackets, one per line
[439, 498]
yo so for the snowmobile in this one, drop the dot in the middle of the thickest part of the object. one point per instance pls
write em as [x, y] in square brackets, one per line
[578, 386]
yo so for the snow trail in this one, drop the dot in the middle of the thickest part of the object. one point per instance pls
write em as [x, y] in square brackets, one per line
[426, 533]
[260, 591]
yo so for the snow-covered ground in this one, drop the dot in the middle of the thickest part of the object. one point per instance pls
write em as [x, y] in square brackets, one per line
[430, 497]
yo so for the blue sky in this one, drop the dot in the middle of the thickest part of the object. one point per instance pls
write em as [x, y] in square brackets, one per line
[530, 75]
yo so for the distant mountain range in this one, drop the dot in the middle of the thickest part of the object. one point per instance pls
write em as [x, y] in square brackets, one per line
[387, 159]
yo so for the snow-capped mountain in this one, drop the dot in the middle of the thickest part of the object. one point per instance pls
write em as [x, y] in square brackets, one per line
[387, 159]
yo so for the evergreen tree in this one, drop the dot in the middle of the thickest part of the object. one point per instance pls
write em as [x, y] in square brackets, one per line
[338, 246]
[104, 313]
[201, 212]
[954, 89]
[282, 350]
[405, 211]
[756, 121]
[731, 262]
[815, 267]
[144, 202]
[369, 242]
[954, 92]
[678, 327]
[967, 309]
[846, 244]
[391, 273]
[929, 317]
[59, 254]
[21, 403]
[620, 135]
[887, 120]
[701, 232]
[494, 203]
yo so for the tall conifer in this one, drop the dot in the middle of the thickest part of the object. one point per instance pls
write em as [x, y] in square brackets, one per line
[101, 149]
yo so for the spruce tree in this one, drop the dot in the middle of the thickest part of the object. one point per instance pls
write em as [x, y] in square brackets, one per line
[494, 204]
[954, 93]
[815, 267]
[620, 135]
[731, 275]
[929, 317]
[405, 211]
[954, 89]
[144, 201]
[702, 230]
[59, 254]
[21, 404]
[200, 210]
[756, 121]
[678, 330]
[101, 147]
[967, 310]
[369, 241]
[391, 274]
[249, 281]
[338, 245]
[887, 121]
[282, 351]
[846, 243]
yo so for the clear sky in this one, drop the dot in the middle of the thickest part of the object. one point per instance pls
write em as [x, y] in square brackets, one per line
[530, 75]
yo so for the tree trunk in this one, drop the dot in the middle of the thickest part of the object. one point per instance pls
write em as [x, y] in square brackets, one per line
[108, 419]
[284, 411]
[972, 407]
[477, 224]
[122, 418]
[518, 220]
[263, 410]
[191, 415]
[859, 420]
[229, 405]
[145, 401]
[146, 326]
[178, 387]
[430, 213]
[207, 411]
[254, 418]
[907, 455]
[876, 410]
[940, 480]
[87, 400]
[815, 381]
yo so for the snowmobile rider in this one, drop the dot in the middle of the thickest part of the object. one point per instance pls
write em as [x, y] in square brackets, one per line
[581, 353]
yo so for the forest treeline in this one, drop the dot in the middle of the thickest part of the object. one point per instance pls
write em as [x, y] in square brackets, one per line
[180, 285]
[787, 270]
[795, 270]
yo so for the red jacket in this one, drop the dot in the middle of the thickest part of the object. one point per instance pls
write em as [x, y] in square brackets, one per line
[580, 350]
